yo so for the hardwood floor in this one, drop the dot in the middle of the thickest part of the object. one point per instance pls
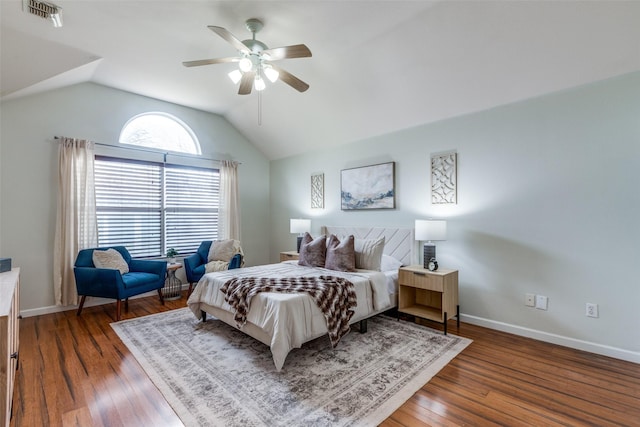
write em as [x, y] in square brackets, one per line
[76, 371]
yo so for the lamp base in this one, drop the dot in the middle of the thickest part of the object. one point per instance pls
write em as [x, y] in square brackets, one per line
[429, 251]
[299, 243]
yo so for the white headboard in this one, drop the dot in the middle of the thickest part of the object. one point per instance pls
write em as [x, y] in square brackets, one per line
[398, 242]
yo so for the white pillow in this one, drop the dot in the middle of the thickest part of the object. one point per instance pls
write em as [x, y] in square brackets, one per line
[369, 253]
[110, 259]
[222, 250]
[389, 263]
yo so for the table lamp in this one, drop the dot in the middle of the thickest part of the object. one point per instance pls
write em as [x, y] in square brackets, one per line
[299, 226]
[428, 231]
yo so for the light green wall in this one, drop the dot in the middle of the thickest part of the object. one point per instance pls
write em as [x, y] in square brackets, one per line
[28, 171]
[548, 203]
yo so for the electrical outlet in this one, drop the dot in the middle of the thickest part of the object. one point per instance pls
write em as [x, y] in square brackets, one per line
[530, 300]
[592, 310]
[541, 302]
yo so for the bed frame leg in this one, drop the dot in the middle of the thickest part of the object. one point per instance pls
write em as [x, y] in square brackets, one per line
[363, 326]
[204, 315]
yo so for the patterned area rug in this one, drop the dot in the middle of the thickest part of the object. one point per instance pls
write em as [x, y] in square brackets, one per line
[214, 375]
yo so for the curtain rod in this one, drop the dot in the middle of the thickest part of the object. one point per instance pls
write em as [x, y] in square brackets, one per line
[151, 150]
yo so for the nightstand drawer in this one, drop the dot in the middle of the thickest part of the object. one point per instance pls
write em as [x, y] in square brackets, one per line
[288, 256]
[421, 280]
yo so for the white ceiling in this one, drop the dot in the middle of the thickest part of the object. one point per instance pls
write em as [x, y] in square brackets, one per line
[377, 66]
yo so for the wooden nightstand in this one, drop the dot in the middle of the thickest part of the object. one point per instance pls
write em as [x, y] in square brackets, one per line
[288, 256]
[431, 295]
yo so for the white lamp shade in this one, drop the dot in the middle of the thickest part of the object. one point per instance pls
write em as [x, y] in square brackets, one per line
[271, 74]
[429, 230]
[235, 76]
[258, 83]
[245, 64]
[299, 226]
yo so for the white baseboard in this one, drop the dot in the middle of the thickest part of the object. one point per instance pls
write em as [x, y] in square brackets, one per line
[605, 350]
[89, 302]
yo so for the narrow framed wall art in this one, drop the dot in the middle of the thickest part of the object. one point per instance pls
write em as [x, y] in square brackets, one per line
[317, 191]
[444, 178]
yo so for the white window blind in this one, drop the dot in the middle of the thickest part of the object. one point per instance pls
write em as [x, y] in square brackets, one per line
[192, 198]
[149, 207]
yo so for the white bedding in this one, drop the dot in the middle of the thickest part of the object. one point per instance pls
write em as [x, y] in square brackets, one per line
[286, 321]
[392, 281]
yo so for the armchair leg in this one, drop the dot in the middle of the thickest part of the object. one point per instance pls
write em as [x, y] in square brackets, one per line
[118, 309]
[81, 304]
[190, 289]
[126, 305]
[161, 297]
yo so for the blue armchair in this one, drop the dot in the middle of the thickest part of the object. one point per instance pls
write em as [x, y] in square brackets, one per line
[143, 276]
[194, 265]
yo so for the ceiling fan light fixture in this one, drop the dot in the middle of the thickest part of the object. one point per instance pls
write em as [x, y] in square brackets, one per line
[254, 60]
[258, 83]
[271, 74]
[245, 64]
[235, 76]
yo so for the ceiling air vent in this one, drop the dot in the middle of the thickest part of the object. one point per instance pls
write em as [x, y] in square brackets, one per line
[44, 10]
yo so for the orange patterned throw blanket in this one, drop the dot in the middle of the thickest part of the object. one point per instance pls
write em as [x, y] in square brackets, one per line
[335, 296]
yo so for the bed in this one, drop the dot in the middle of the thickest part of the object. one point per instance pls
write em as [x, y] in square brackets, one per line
[284, 321]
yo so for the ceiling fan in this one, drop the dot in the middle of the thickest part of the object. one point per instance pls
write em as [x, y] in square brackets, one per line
[255, 60]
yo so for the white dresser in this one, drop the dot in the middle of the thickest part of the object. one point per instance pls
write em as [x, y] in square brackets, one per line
[9, 339]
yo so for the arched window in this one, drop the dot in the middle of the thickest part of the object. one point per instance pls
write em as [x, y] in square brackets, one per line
[161, 131]
[150, 205]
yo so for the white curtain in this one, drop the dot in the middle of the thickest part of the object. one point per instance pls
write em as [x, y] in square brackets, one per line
[229, 202]
[76, 223]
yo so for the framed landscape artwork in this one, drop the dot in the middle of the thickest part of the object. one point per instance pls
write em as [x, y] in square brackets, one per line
[368, 187]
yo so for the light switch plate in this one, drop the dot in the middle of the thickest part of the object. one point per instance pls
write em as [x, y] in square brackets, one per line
[541, 302]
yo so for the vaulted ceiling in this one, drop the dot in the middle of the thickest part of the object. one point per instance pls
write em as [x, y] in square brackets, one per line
[377, 66]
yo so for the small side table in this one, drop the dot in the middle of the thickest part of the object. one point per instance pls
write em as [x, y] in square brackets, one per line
[172, 289]
[288, 256]
[431, 295]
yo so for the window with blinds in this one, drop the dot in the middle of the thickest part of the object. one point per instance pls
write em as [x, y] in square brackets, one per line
[149, 207]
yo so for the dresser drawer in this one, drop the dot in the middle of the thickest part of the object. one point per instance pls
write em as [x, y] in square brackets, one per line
[421, 280]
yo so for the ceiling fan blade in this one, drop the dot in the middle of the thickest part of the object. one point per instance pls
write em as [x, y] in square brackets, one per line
[225, 34]
[210, 61]
[295, 51]
[291, 80]
[246, 83]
